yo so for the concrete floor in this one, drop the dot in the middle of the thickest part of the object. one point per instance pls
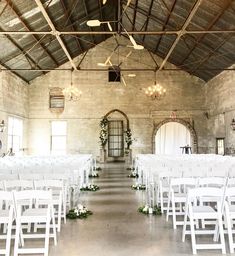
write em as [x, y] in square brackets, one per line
[116, 228]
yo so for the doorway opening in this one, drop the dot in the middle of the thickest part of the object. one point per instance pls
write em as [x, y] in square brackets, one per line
[171, 137]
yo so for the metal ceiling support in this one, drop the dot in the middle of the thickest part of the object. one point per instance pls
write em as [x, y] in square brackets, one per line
[101, 15]
[148, 17]
[13, 8]
[165, 24]
[134, 16]
[86, 11]
[211, 53]
[80, 62]
[167, 32]
[25, 53]
[183, 29]
[212, 23]
[7, 68]
[55, 32]
[123, 69]
[72, 26]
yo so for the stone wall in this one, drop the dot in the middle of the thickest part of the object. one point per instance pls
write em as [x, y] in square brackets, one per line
[220, 101]
[13, 102]
[185, 93]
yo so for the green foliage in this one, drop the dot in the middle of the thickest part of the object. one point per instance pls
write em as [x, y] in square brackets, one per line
[103, 131]
[139, 187]
[145, 210]
[90, 188]
[81, 215]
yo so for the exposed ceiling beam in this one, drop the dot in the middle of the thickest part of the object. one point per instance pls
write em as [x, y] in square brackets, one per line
[165, 23]
[183, 29]
[23, 52]
[55, 32]
[123, 69]
[7, 68]
[211, 54]
[167, 32]
[134, 15]
[87, 14]
[148, 17]
[15, 11]
[72, 26]
[210, 25]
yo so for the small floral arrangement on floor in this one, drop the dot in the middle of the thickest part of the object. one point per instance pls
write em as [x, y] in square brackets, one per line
[130, 168]
[133, 175]
[94, 175]
[139, 187]
[98, 169]
[90, 187]
[79, 212]
[156, 210]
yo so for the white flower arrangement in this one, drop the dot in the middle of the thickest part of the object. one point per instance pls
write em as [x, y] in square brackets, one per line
[139, 187]
[94, 175]
[90, 187]
[150, 210]
[133, 174]
[79, 212]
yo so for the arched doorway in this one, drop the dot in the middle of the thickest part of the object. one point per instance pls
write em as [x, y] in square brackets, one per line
[171, 134]
[118, 123]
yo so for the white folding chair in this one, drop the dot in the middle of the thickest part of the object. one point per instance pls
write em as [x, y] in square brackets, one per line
[6, 218]
[40, 211]
[194, 211]
[230, 216]
[177, 196]
[18, 185]
[163, 189]
[58, 197]
[31, 176]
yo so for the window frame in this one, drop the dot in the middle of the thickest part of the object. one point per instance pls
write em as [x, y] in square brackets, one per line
[15, 135]
[217, 148]
[56, 151]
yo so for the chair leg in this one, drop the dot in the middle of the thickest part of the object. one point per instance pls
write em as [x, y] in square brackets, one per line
[53, 226]
[59, 216]
[168, 207]
[185, 224]
[230, 235]
[193, 236]
[8, 242]
[17, 236]
[47, 234]
[221, 231]
[173, 214]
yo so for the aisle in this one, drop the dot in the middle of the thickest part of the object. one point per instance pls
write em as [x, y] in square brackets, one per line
[116, 228]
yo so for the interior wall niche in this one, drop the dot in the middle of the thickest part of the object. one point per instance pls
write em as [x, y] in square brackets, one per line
[187, 124]
[56, 100]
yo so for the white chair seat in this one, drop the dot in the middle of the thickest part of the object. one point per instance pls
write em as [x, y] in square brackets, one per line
[4, 214]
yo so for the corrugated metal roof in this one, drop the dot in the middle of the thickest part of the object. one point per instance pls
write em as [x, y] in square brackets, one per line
[203, 55]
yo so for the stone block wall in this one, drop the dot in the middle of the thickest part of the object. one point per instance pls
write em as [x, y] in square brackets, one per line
[185, 93]
[220, 92]
[13, 102]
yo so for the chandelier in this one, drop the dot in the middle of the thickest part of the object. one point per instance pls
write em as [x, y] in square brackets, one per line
[155, 91]
[71, 93]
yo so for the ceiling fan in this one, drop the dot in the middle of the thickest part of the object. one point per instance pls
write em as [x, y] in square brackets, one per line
[97, 23]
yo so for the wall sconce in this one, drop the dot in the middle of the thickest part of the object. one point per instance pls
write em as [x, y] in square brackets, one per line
[2, 126]
[233, 124]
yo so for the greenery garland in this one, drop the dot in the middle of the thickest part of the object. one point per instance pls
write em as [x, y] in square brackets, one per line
[128, 138]
[156, 210]
[98, 169]
[79, 212]
[103, 132]
[90, 187]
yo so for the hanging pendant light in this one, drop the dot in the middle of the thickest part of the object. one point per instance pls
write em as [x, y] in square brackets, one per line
[72, 93]
[156, 91]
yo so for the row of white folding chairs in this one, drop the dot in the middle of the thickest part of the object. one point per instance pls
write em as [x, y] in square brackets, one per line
[75, 180]
[58, 187]
[27, 207]
[209, 203]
